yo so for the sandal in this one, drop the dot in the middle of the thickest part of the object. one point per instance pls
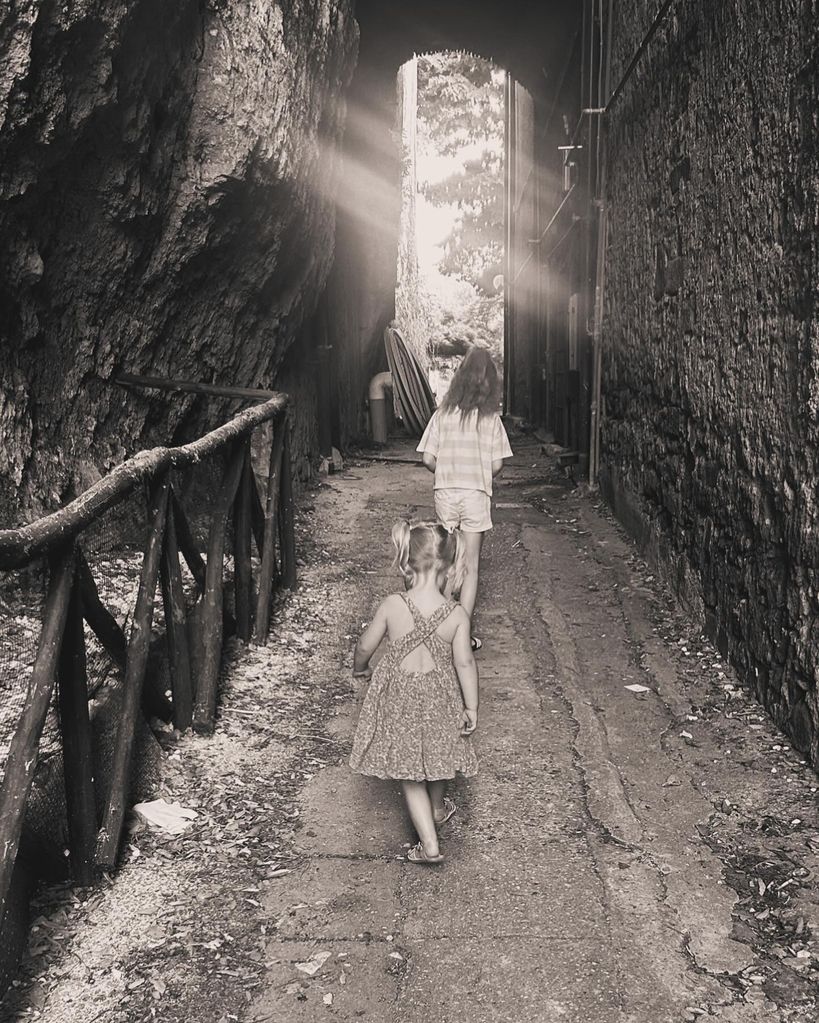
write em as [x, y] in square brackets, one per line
[417, 855]
[476, 643]
[449, 811]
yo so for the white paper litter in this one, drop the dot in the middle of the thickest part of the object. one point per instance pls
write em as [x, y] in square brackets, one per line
[170, 817]
[314, 964]
[635, 688]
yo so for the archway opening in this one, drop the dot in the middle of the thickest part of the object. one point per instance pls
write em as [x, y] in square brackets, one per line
[449, 290]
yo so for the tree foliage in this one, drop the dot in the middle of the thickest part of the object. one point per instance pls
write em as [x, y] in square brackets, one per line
[460, 115]
[459, 101]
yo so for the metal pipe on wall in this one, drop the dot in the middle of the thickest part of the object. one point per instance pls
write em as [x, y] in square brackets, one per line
[377, 398]
[585, 248]
[600, 274]
[319, 330]
[597, 344]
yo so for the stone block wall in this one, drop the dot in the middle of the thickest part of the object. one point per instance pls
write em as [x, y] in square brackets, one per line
[168, 179]
[711, 386]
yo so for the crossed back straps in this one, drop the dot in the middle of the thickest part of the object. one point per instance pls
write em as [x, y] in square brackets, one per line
[424, 630]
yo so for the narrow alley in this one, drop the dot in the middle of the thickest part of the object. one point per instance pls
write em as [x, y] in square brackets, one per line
[636, 854]
[253, 258]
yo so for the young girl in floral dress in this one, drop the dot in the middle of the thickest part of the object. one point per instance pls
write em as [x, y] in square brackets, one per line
[421, 707]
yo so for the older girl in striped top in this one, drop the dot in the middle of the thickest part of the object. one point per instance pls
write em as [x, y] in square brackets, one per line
[465, 444]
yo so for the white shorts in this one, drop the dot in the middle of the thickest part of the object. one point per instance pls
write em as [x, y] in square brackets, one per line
[468, 510]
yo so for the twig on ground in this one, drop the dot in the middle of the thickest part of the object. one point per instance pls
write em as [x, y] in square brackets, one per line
[312, 735]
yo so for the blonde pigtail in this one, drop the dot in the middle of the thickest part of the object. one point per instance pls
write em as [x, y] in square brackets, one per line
[401, 541]
[457, 570]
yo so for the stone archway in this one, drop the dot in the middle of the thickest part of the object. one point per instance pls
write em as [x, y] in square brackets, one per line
[527, 42]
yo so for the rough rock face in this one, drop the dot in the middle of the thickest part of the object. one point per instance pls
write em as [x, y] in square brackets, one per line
[167, 185]
[712, 345]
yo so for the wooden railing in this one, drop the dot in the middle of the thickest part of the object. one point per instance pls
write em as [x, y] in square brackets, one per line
[73, 597]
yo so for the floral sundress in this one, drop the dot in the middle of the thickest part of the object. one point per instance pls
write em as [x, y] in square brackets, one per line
[410, 722]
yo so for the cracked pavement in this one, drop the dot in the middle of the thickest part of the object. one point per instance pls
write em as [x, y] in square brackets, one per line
[622, 857]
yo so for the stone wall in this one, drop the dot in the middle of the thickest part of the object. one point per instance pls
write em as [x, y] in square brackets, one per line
[361, 290]
[167, 206]
[710, 435]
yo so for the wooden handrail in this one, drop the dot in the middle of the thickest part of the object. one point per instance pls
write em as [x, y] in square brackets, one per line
[73, 596]
[21, 545]
[193, 387]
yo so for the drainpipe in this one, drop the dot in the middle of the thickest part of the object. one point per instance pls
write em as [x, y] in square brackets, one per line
[597, 343]
[602, 238]
[379, 385]
[325, 382]
[325, 437]
[508, 239]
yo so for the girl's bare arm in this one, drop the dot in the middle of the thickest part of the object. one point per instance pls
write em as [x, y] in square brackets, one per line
[467, 671]
[430, 461]
[369, 640]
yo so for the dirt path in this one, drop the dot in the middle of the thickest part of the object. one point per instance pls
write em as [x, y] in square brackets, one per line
[623, 857]
[593, 868]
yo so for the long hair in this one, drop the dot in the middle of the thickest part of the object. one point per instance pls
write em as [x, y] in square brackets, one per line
[474, 386]
[429, 546]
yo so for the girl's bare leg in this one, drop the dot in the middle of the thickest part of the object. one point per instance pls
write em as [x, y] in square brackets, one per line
[420, 811]
[472, 556]
[437, 791]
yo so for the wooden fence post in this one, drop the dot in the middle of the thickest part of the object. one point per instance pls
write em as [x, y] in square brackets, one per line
[137, 659]
[188, 548]
[107, 630]
[187, 543]
[103, 624]
[211, 621]
[256, 513]
[242, 567]
[78, 751]
[268, 566]
[176, 633]
[287, 519]
[22, 756]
